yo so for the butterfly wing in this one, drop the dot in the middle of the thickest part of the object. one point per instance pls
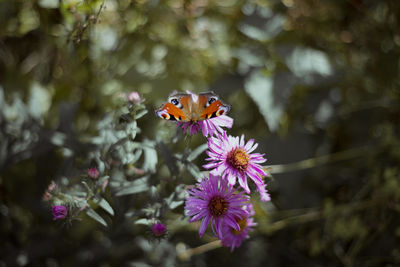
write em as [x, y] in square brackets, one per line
[192, 107]
[213, 106]
[174, 108]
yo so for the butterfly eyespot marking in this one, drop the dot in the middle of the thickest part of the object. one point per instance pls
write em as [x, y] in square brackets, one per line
[220, 112]
[175, 101]
[165, 116]
[211, 100]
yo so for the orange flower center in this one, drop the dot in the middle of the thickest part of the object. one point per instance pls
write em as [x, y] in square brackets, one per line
[218, 206]
[242, 223]
[238, 159]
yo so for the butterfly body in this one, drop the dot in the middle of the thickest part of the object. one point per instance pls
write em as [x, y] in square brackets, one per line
[189, 107]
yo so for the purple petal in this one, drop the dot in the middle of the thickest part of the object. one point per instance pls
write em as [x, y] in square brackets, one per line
[243, 183]
[203, 225]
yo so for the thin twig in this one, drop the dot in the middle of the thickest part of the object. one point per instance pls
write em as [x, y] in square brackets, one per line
[188, 253]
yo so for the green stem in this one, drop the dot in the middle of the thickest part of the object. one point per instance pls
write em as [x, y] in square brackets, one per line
[188, 253]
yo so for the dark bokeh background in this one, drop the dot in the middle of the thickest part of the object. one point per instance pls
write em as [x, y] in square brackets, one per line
[316, 83]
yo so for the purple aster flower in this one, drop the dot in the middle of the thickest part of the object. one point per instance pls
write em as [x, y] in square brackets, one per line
[59, 212]
[215, 200]
[231, 157]
[232, 237]
[158, 229]
[208, 127]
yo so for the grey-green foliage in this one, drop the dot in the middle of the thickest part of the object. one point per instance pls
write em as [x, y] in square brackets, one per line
[307, 78]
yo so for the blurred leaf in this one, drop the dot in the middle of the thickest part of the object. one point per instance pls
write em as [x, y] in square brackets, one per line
[141, 114]
[176, 198]
[137, 186]
[58, 138]
[195, 171]
[105, 205]
[132, 129]
[49, 3]
[39, 100]
[95, 216]
[144, 221]
[262, 25]
[260, 88]
[197, 151]
[150, 156]
[266, 32]
[305, 63]
[324, 113]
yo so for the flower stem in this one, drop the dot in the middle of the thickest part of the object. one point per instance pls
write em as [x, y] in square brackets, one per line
[188, 253]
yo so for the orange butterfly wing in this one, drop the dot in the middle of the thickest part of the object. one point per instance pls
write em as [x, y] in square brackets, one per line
[192, 107]
[215, 109]
[170, 112]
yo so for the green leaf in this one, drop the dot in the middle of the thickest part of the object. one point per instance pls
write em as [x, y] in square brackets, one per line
[144, 221]
[132, 129]
[141, 114]
[137, 186]
[260, 87]
[95, 216]
[49, 3]
[266, 31]
[39, 100]
[196, 152]
[58, 139]
[305, 62]
[150, 156]
[105, 206]
[195, 171]
[175, 204]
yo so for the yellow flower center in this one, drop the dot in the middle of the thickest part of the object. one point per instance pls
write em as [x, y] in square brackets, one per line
[218, 206]
[238, 159]
[242, 223]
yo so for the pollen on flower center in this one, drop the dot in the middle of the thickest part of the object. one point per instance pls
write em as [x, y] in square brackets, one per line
[218, 206]
[238, 159]
[242, 223]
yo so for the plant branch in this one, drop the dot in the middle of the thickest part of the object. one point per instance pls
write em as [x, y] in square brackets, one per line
[188, 253]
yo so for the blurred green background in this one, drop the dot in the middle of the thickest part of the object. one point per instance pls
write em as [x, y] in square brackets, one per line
[316, 83]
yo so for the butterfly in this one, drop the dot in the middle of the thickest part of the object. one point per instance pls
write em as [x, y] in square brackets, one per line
[190, 107]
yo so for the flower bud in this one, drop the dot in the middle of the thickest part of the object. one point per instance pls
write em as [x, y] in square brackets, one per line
[59, 212]
[93, 173]
[158, 229]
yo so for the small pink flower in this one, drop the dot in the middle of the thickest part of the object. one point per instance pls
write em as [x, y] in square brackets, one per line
[134, 97]
[59, 212]
[93, 173]
[158, 229]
